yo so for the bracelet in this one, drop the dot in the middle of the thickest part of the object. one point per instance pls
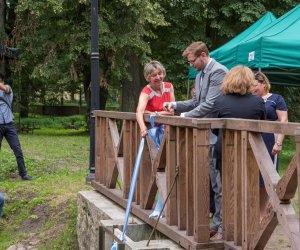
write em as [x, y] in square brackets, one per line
[156, 113]
[278, 144]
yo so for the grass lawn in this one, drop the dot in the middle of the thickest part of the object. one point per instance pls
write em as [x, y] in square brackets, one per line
[42, 213]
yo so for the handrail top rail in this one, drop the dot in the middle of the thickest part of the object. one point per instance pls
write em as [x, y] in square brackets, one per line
[287, 128]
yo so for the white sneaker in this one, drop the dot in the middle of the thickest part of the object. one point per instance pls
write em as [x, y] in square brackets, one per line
[155, 213]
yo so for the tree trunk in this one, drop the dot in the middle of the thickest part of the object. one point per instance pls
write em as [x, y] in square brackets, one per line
[131, 88]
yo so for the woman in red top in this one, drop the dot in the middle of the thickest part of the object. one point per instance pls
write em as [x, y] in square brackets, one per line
[154, 94]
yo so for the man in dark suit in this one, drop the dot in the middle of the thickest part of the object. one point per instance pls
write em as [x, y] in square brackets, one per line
[207, 89]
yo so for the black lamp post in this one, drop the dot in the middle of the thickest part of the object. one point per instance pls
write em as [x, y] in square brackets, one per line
[95, 80]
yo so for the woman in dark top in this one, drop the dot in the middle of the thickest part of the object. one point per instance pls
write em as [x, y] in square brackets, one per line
[237, 101]
[276, 110]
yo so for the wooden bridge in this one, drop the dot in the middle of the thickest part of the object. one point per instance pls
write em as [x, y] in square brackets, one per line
[185, 150]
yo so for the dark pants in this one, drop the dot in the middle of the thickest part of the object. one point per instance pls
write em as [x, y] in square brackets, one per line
[10, 133]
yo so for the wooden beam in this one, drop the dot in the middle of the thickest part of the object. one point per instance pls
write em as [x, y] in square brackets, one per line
[238, 184]
[126, 158]
[181, 187]
[99, 150]
[267, 227]
[190, 192]
[171, 206]
[201, 185]
[250, 178]
[287, 186]
[145, 179]
[228, 184]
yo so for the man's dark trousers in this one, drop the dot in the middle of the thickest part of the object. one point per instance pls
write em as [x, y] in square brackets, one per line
[10, 133]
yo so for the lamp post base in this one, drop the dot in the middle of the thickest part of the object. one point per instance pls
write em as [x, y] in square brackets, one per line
[90, 177]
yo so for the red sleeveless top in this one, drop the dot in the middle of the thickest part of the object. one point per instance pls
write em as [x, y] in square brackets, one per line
[156, 101]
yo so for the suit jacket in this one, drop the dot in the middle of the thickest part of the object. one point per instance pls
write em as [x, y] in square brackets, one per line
[205, 95]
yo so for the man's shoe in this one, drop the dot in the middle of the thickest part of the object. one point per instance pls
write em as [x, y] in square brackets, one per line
[27, 178]
[212, 233]
[217, 236]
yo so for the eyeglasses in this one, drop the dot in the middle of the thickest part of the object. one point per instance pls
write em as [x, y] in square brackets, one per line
[193, 61]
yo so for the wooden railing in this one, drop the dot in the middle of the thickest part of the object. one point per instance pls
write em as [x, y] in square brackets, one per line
[185, 149]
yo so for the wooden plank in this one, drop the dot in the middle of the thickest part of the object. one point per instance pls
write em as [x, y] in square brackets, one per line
[267, 227]
[151, 192]
[181, 187]
[126, 159]
[238, 183]
[160, 159]
[228, 184]
[287, 186]
[171, 205]
[161, 181]
[111, 144]
[145, 181]
[201, 185]
[265, 163]
[111, 153]
[114, 134]
[152, 149]
[189, 157]
[98, 147]
[135, 145]
[250, 178]
[287, 128]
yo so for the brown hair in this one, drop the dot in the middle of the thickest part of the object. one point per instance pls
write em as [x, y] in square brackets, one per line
[262, 78]
[238, 80]
[195, 48]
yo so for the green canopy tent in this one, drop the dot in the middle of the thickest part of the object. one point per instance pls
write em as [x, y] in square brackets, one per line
[275, 50]
[223, 53]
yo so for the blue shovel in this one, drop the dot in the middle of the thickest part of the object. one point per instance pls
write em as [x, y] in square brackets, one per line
[131, 192]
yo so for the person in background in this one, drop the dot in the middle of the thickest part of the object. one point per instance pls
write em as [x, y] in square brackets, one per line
[236, 102]
[8, 129]
[151, 102]
[207, 89]
[1, 204]
[276, 110]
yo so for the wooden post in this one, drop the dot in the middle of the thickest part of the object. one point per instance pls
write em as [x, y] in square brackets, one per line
[201, 185]
[171, 208]
[250, 180]
[189, 152]
[181, 187]
[99, 148]
[237, 189]
[228, 184]
[126, 156]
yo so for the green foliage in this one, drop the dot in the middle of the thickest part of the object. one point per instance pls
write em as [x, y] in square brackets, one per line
[53, 40]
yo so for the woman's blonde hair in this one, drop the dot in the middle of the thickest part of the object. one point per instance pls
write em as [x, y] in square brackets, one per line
[262, 78]
[151, 67]
[238, 80]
